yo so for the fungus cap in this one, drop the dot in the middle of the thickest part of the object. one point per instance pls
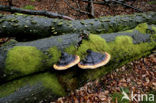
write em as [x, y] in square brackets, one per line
[94, 60]
[66, 61]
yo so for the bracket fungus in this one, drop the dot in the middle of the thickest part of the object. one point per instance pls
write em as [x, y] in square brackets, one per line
[94, 60]
[66, 61]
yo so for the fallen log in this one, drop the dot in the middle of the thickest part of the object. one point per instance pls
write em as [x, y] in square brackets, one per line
[40, 55]
[34, 54]
[25, 27]
[122, 46]
[41, 87]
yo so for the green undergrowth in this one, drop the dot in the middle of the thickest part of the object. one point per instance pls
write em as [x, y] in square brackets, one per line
[48, 81]
[117, 96]
[30, 7]
[24, 59]
[151, 2]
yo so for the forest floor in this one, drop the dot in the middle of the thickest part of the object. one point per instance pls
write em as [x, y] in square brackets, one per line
[61, 7]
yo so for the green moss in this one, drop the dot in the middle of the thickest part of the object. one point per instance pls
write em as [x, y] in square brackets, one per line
[60, 24]
[95, 43]
[69, 80]
[54, 54]
[48, 80]
[151, 2]
[18, 14]
[24, 59]
[154, 28]
[142, 28]
[71, 49]
[30, 7]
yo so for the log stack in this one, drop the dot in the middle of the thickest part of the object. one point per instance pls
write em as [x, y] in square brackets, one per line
[26, 68]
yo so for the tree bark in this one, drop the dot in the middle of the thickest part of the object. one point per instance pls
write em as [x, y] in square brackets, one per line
[25, 27]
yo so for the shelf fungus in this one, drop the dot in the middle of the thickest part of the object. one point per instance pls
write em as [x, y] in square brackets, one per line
[94, 60]
[66, 61]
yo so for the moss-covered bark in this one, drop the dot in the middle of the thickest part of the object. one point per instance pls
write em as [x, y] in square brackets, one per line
[123, 47]
[25, 27]
[24, 58]
[33, 89]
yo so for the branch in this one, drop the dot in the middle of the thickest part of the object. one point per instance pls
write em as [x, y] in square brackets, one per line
[10, 2]
[81, 11]
[91, 8]
[34, 12]
[124, 4]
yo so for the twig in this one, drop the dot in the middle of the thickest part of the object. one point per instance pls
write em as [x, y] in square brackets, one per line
[53, 4]
[95, 2]
[10, 2]
[81, 11]
[77, 4]
[115, 1]
[91, 8]
[34, 12]
[10, 5]
[124, 4]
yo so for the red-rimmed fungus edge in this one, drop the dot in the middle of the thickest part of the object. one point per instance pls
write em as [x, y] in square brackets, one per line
[66, 61]
[94, 60]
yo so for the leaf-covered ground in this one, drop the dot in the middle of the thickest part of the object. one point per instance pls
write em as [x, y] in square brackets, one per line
[138, 76]
[61, 7]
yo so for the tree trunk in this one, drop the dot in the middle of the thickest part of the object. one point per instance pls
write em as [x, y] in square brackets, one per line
[33, 89]
[25, 27]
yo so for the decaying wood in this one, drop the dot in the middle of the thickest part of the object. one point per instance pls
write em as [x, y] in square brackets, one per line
[25, 27]
[33, 12]
[114, 1]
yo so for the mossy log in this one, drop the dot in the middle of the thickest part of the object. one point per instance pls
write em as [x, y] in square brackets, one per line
[35, 56]
[24, 58]
[122, 46]
[25, 27]
[32, 89]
